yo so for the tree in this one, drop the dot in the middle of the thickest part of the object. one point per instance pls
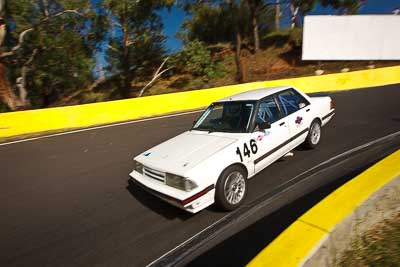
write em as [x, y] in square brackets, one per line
[222, 21]
[278, 15]
[195, 58]
[44, 46]
[137, 45]
[209, 23]
[300, 7]
[234, 10]
[344, 6]
[256, 7]
[212, 21]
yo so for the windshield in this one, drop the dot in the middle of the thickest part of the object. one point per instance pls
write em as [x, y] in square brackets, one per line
[226, 117]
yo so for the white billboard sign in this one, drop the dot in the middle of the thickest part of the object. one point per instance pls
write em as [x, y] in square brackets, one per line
[358, 37]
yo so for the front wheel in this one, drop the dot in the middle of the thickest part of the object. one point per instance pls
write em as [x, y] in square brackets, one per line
[231, 188]
[314, 135]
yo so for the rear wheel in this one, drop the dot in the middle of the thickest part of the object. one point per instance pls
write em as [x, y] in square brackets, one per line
[231, 188]
[314, 135]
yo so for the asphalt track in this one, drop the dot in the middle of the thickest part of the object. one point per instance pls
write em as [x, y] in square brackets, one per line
[65, 200]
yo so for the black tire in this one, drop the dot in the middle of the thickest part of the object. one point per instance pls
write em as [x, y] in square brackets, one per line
[230, 180]
[314, 135]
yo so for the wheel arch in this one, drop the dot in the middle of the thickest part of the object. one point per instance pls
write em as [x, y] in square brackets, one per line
[318, 119]
[220, 197]
[239, 164]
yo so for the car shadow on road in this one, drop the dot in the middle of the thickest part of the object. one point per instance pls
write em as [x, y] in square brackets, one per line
[157, 205]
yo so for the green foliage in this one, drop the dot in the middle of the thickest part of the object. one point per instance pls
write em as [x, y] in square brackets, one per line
[3, 108]
[305, 6]
[210, 24]
[93, 97]
[214, 23]
[296, 36]
[195, 59]
[284, 37]
[57, 48]
[344, 6]
[277, 38]
[137, 44]
[197, 84]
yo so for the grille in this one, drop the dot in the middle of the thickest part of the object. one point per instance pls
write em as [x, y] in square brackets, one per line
[151, 173]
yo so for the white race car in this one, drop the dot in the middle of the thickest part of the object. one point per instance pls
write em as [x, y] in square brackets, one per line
[234, 139]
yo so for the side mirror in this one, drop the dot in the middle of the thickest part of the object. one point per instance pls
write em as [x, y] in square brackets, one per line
[264, 125]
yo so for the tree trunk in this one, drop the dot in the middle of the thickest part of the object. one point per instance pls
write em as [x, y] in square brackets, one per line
[2, 4]
[293, 15]
[7, 95]
[254, 24]
[156, 75]
[100, 68]
[238, 42]
[239, 67]
[3, 29]
[21, 81]
[126, 73]
[255, 32]
[45, 4]
[277, 15]
[46, 98]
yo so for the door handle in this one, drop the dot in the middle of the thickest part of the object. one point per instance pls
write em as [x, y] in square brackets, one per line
[307, 110]
[282, 123]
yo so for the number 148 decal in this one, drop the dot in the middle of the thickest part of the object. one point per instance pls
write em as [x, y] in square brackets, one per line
[246, 150]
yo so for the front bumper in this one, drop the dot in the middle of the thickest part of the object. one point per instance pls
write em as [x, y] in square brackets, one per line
[192, 202]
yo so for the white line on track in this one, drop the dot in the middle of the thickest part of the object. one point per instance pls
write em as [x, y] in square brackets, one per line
[344, 154]
[309, 170]
[183, 243]
[99, 127]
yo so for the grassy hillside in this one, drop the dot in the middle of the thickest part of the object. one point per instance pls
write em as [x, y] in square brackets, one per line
[279, 58]
[378, 247]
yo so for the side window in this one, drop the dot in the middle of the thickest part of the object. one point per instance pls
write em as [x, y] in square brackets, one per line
[268, 111]
[291, 101]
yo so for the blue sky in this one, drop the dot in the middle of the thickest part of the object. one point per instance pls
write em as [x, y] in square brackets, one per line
[173, 19]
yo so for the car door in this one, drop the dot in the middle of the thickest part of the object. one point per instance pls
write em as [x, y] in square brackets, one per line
[270, 142]
[296, 110]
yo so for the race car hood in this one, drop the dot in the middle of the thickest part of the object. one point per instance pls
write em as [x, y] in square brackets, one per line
[183, 152]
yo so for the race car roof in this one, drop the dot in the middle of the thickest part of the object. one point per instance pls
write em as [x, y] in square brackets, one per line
[254, 94]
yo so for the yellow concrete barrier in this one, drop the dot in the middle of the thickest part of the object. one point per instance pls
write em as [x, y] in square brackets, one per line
[299, 240]
[51, 119]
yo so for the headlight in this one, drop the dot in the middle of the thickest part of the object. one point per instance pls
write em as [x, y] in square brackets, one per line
[138, 166]
[180, 182]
